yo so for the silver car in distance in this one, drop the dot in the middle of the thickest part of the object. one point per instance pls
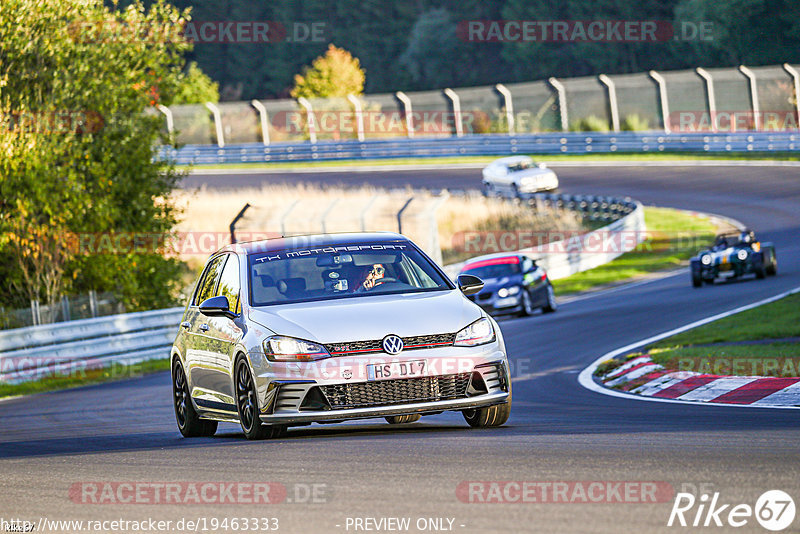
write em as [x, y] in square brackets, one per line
[326, 328]
[517, 175]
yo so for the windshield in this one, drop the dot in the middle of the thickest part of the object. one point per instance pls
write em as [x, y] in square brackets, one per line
[493, 268]
[520, 166]
[341, 271]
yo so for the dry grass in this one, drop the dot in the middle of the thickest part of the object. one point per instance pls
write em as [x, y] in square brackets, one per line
[299, 209]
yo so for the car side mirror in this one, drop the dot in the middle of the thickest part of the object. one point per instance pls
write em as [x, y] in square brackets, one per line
[217, 307]
[469, 284]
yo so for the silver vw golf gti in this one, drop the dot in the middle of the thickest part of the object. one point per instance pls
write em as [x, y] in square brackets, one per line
[327, 328]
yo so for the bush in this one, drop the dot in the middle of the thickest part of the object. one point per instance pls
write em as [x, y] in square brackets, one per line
[634, 123]
[591, 123]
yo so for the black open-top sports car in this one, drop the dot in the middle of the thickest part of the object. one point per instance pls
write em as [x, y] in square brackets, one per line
[733, 256]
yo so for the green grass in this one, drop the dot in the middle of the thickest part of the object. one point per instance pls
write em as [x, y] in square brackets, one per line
[547, 158]
[769, 359]
[775, 320]
[675, 237]
[689, 351]
[84, 378]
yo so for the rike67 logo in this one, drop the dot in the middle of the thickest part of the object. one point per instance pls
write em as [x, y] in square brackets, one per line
[774, 510]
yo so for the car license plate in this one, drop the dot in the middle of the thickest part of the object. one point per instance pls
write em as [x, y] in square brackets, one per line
[726, 274]
[384, 371]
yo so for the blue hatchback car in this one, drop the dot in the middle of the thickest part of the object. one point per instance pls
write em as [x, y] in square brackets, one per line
[513, 284]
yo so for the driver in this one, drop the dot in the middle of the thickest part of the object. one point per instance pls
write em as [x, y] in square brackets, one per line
[745, 238]
[374, 276]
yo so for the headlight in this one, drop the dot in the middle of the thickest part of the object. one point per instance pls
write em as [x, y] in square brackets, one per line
[478, 333]
[289, 349]
[742, 254]
[506, 291]
[705, 259]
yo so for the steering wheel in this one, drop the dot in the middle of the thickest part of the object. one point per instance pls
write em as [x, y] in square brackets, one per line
[384, 280]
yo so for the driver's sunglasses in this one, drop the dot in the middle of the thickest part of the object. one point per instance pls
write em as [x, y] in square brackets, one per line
[377, 270]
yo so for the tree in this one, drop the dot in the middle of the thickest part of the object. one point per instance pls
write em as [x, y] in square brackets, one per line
[78, 148]
[335, 74]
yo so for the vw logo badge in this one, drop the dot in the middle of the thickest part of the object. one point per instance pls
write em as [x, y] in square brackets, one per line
[392, 344]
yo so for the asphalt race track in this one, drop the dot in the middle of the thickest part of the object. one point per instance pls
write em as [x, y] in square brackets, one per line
[558, 431]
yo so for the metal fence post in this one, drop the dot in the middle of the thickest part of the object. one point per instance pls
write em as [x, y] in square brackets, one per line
[312, 120]
[796, 83]
[456, 111]
[562, 102]
[170, 122]
[262, 114]
[710, 96]
[402, 97]
[232, 226]
[612, 100]
[217, 123]
[65, 308]
[36, 315]
[751, 76]
[434, 248]
[400, 215]
[92, 303]
[363, 214]
[509, 103]
[662, 91]
[359, 116]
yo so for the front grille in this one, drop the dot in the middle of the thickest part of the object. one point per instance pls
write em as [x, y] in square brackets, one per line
[375, 345]
[401, 391]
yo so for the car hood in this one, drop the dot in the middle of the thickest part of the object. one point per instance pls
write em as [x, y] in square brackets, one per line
[369, 317]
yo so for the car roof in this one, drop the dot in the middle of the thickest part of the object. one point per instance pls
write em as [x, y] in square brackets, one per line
[314, 240]
[510, 160]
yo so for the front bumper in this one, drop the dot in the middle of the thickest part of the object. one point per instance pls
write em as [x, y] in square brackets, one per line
[490, 399]
[456, 378]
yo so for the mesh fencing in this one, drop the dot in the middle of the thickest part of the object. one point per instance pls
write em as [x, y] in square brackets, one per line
[67, 309]
[433, 115]
[688, 102]
[240, 123]
[193, 125]
[384, 116]
[535, 105]
[587, 104]
[483, 110]
[638, 102]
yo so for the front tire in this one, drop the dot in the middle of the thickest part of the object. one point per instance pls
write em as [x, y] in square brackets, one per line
[527, 304]
[247, 406]
[772, 266]
[403, 419]
[189, 422]
[551, 305]
[489, 416]
[697, 280]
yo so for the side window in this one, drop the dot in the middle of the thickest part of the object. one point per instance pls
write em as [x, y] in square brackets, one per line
[229, 282]
[205, 289]
[527, 265]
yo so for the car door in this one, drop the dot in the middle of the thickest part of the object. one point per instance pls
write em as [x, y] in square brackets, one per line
[200, 347]
[224, 333]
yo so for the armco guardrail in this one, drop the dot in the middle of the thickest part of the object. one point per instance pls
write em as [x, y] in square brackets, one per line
[74, 346]
[485, 145]
[577, 253]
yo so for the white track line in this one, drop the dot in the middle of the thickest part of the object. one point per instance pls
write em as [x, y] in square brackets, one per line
[585, 377]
